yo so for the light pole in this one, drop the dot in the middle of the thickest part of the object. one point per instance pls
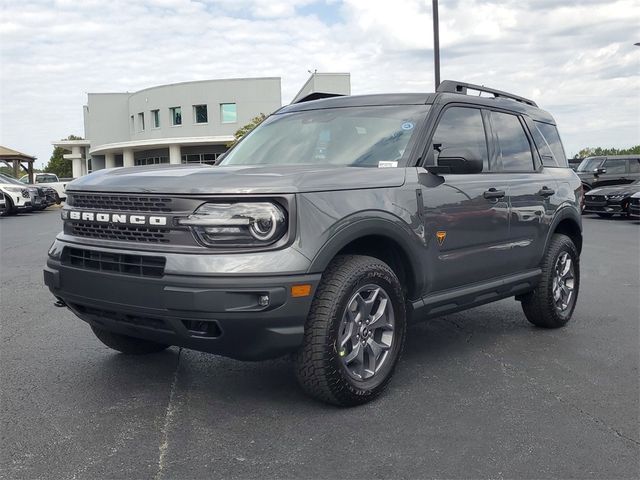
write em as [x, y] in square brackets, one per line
[436, 43]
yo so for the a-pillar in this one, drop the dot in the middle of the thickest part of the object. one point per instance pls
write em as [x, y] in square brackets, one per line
[109, 160]
[175, 154]
[127, 158]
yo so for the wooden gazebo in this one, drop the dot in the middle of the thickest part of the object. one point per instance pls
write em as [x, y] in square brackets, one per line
[17, 160]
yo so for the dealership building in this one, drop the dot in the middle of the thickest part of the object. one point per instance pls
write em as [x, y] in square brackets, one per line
[189, 122]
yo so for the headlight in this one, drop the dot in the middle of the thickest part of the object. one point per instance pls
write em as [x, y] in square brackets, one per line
[237, 224]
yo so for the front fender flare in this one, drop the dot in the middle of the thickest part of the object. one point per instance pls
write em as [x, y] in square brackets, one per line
[383, 225]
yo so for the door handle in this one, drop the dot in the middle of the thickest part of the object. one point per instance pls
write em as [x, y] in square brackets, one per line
[546, 192]
[493, 193]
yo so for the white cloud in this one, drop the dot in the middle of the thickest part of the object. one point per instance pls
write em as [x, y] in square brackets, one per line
[577, 60]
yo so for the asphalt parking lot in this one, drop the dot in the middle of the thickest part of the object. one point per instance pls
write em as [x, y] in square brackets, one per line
[479, 394]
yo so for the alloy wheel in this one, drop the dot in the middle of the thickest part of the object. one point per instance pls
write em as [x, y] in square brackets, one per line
[366, 332]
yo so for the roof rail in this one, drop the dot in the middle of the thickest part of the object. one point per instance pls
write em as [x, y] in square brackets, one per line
[451, 86]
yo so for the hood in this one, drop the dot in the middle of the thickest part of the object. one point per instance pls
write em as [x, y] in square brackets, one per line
[188, 179]
[627, 189]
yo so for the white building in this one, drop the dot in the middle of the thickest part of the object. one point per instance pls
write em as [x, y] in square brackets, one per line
[190, 122]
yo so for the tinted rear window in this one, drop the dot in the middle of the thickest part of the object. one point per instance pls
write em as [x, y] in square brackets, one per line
[552, 140]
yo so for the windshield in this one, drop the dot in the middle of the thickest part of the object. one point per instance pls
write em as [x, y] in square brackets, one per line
[351, 136]
[7, 179]
[589, 164]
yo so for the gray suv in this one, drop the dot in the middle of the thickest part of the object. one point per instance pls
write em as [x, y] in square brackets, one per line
[325, 231]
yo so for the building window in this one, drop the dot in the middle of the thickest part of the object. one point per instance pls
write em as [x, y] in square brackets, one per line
[176, 115]
[155, 115]
[228, 113]
[206, 158]
[200, 113]
[132, 126]
[141, 121]
[150, 161]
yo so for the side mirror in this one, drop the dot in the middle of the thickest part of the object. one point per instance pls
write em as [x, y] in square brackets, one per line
[599, 171]
[459, 161]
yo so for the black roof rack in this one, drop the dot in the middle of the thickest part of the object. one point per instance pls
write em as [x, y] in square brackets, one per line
[451, 86]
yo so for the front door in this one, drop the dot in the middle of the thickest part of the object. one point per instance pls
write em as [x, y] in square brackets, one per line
[466, 216]
[615, 173]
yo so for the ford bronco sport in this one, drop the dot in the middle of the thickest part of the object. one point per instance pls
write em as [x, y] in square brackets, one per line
[326, 230]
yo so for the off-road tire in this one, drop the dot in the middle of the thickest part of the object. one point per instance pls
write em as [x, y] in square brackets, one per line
[127, 344]
[538, 306]
[317, 363]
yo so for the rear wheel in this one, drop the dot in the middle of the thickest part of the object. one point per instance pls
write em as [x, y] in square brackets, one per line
[552, 303]
[354, 333]
[127, 344]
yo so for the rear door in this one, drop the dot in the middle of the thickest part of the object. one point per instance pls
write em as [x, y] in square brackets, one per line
[531, 189]
[466, 216]
[634, 170]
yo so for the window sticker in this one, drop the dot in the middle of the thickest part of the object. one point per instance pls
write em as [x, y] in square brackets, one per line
[387, 164]
[407, 126]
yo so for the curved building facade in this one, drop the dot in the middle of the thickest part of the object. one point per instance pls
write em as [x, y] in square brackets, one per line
[189, 122]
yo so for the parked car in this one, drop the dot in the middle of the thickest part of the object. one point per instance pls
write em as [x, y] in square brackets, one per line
[634, 205]
[325, 230]
[609, 201]
[16, 198]
[41, 197]
[608, 170]
[51, 180]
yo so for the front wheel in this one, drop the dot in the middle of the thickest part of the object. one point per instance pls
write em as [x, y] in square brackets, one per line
[354, 334]
[7, 208]
[127, 344]
[552, 303]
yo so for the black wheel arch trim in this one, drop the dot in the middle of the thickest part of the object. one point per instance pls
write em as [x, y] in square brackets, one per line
[565, 212]
[382, 225]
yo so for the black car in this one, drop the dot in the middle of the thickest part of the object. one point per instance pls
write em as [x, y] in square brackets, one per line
[634, 205]
[608, 201]
[597, 172]
[325, 230]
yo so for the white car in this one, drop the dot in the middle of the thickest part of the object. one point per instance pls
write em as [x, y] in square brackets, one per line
[50, 180]
[15, 198]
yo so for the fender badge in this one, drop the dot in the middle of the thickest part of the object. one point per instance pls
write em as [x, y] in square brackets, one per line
[441, 235]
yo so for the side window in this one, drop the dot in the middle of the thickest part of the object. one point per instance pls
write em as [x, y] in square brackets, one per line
[552, 139]
[462, 128]
[634, 165]
[513, 145]
[615, 166]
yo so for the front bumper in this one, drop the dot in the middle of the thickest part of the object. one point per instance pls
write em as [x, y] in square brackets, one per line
[634, 209]
[603, 206]
[216, 314]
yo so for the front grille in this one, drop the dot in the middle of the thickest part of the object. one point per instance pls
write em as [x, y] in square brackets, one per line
[123, 203]
[119, 232]
[138, 265]
[137, 320]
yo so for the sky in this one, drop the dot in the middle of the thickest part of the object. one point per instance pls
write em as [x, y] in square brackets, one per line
[575, 59]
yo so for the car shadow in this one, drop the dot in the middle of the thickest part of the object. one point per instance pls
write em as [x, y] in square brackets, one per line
[205, 379]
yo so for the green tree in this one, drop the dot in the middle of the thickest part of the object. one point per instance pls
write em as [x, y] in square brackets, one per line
[599, 151]
[58, 164]
[255, 121]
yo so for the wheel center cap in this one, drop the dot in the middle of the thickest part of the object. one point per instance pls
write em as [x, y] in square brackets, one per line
[365, 332]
